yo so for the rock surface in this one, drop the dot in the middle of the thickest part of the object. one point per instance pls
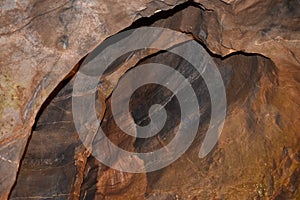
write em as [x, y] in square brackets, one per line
[42, 41]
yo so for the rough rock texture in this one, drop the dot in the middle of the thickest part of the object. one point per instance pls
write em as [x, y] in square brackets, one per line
[40, 43]
[258, 153]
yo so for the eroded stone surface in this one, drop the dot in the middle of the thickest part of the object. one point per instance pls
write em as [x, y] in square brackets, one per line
[41, 41]
[258, 136]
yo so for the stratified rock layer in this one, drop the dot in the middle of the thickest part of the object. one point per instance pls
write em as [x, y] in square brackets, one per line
[258, 153]
[40, 43]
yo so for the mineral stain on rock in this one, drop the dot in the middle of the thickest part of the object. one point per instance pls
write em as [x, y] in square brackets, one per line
[255, 45]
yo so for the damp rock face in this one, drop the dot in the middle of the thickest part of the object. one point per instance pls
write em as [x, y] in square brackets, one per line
[257, 155]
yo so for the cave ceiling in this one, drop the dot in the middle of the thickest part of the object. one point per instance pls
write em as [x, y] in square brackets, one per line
[254, 44]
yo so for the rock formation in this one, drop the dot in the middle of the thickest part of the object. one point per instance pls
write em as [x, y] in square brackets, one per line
[256, 46]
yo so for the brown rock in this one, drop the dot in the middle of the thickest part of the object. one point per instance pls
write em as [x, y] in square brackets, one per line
[258, 153]
[44, 40]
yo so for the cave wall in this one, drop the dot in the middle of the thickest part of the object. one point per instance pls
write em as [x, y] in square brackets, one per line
[42, 41]
[45, 40]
